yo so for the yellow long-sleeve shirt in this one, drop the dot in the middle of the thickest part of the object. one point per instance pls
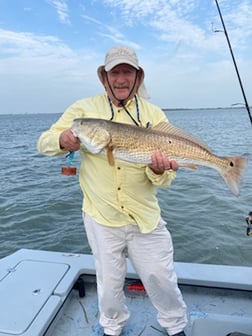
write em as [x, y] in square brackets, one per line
[122, 194]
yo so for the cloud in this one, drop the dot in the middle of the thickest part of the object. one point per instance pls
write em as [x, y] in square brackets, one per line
[186, 64]
[44, 57]
[62, 10]
[19, 48]
[239, 24]
[43, 73]
[110, 32]
[177, 20]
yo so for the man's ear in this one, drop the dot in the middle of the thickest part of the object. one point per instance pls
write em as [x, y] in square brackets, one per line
[103, 77]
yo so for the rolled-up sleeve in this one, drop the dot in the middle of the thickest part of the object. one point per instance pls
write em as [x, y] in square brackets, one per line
[164, 180]
[48, 143]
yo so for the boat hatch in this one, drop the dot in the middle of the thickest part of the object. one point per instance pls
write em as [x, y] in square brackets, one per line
[26, 291]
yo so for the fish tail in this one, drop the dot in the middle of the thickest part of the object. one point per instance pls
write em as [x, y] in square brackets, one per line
[233, 174]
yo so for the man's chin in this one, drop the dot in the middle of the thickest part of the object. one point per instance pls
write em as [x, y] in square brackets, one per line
[122, 94]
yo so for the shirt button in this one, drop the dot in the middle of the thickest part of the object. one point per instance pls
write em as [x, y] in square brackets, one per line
[118, 168]
[122, 207]
[118, 188]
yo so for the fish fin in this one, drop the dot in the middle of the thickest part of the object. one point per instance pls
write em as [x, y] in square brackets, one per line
[234, 173]
[188, 165]
[175, 131]
[110, 155]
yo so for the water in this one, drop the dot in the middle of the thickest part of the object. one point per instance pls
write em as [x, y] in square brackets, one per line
[41, 209]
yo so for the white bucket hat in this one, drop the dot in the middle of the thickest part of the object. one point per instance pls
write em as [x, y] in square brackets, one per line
[119, 55]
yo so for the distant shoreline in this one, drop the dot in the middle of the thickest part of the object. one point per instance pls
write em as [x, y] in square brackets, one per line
[166, 109]
[204, 108]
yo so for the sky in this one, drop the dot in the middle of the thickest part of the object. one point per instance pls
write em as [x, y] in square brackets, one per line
[50, 51]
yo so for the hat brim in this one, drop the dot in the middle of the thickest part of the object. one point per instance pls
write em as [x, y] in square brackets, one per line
[118, 61]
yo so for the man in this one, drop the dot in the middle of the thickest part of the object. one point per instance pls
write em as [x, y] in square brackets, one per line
[120, 208]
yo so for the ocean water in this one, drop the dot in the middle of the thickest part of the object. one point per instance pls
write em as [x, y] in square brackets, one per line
[41, 209]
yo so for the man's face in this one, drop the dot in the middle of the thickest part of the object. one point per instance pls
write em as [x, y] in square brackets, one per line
[123, 80]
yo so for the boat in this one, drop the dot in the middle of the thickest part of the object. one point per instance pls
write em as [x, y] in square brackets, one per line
[48, 293]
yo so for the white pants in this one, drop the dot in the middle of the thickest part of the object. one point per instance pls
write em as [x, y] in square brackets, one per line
[152, 257]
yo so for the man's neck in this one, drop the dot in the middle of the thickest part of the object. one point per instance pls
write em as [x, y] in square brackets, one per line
[120, 103]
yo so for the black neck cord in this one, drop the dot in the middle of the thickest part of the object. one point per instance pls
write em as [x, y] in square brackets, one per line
[138, 122]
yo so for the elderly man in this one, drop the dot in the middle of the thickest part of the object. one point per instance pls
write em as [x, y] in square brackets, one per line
[121, 213]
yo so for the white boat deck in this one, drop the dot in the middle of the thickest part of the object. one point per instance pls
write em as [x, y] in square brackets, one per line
[37, 297]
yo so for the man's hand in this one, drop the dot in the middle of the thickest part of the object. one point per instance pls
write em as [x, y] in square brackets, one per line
[68, 141]
[160, 163]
